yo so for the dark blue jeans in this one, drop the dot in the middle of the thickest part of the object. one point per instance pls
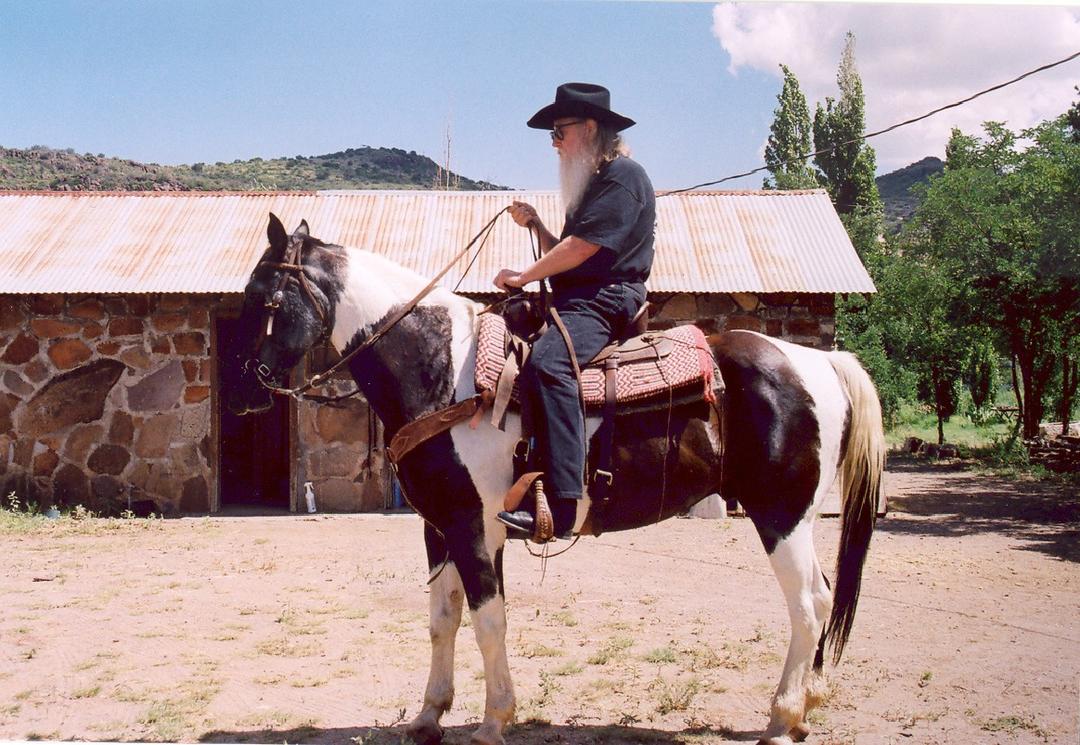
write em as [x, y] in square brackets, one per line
[593, 316]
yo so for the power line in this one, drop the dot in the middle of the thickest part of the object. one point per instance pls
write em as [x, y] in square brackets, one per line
[867, 136]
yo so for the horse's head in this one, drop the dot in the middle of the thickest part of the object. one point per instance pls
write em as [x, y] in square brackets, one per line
[288, 308]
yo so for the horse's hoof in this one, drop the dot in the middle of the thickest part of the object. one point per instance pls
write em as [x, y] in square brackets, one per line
[799, 732]
[480, 737]
[424, 733]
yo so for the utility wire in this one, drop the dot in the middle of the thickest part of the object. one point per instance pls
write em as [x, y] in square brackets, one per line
[867, 136]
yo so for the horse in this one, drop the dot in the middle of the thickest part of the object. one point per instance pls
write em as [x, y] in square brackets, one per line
[792, 421]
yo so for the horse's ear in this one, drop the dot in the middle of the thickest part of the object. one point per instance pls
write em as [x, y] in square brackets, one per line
[303, 231]
[275, 232]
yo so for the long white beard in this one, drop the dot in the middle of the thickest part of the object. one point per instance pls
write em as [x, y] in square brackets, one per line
[574, 177]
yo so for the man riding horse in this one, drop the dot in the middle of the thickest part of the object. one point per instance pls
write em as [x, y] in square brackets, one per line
[597, 270]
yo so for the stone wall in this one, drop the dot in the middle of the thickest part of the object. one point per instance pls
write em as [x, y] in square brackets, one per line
[341, 453]
[105, 400]
[808, 319]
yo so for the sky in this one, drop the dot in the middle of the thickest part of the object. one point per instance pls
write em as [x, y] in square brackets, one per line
[190, 81]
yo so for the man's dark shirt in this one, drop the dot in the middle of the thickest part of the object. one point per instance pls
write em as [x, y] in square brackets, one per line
[617, 213]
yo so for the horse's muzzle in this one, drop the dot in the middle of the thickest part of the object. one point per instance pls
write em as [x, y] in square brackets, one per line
[250, 394]
[255, 401]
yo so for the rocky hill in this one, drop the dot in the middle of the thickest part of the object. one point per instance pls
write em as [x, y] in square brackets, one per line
[895, 189]
[360, 168]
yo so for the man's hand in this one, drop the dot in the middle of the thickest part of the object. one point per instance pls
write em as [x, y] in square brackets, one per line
[523, 213]
[507, 278]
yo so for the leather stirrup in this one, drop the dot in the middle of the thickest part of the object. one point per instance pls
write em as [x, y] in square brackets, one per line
[544, 524]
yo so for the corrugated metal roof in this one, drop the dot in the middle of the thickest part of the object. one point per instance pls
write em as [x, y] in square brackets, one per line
[208, 242]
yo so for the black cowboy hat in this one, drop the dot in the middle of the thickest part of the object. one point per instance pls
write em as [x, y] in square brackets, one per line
[580, 99]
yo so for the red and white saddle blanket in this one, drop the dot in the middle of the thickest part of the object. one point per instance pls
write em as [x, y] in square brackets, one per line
[654, 364]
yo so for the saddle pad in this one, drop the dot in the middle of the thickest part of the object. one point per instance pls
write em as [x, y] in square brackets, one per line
[689, 362]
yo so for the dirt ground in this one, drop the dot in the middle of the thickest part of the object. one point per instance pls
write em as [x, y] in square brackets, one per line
[314, 629]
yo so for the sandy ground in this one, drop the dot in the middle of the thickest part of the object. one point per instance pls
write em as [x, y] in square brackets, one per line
[313, 629]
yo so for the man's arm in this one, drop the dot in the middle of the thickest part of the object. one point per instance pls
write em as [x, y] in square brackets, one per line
[524, 214]
[563, 256]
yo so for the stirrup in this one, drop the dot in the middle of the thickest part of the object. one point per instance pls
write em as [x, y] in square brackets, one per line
[543, 528]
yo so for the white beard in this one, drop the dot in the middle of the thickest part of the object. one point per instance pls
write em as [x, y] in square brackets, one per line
[574, 177]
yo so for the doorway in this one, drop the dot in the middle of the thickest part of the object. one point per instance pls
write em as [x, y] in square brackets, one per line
[253, 450]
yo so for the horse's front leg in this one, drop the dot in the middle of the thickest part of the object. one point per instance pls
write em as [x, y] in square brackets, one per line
[478, 558]
[445, 603]
[489, 623]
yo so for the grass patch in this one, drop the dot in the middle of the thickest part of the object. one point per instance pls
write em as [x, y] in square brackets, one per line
[564, 618]
[661, 655]
[612, 650]
[308, 682]
[87, 692]
[539, 650]
[1012, 724]
[271, 680]
[545, 696]
[178, 713]
[916, 420]
[276, 719]
[674, 696]
[568, 668]
[19, 518]
[284, 646]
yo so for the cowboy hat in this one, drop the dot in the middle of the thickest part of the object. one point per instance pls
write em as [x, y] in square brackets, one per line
[580, 99]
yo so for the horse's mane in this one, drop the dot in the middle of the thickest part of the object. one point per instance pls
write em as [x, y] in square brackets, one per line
[405, 281]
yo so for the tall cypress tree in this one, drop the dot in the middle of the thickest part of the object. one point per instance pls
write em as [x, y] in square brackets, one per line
[789, 139]
[847, 167]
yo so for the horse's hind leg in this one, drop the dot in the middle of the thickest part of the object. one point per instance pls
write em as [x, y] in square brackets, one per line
[809, 602]
[445, 603]
[814, 683]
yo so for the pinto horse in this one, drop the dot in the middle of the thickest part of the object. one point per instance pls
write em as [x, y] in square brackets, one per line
[792, 421]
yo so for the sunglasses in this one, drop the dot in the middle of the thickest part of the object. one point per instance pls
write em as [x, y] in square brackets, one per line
[557, 133]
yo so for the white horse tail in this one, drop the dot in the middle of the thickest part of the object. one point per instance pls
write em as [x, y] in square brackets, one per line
[860, 491]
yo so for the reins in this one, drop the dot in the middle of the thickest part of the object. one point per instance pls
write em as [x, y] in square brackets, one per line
[319, 378]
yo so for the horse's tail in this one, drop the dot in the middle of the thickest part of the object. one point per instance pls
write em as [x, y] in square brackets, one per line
[860, 491]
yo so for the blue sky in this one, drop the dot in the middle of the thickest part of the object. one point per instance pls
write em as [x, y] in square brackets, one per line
[187, 81]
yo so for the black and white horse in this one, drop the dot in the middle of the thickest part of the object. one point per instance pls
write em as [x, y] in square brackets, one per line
[793, 421]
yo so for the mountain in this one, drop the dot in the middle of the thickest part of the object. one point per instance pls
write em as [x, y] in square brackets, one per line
[40, 168]
[894, 189]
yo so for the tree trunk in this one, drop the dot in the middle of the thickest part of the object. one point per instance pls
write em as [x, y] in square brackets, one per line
[1016, 392]
[1068, 389]
[939, 404]
[1032, 415]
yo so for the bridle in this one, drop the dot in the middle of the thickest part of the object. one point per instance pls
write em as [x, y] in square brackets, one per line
[293, 268]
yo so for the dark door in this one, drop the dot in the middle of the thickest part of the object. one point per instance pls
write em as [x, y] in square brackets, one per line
[254, 449]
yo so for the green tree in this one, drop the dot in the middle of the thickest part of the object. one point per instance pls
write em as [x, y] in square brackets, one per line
[789, 139]
[981, 375]
[905, 334]
[1003, 222]
[847, 164]
[1074, 118]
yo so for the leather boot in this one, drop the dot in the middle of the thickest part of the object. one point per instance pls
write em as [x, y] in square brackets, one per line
[522, 523]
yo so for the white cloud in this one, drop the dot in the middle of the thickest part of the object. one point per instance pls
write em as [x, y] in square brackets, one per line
[914, 58]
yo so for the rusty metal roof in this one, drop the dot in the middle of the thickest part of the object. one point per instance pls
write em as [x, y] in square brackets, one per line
[107, 242]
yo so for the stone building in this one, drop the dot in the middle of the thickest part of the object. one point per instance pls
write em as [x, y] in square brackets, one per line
[117, 325]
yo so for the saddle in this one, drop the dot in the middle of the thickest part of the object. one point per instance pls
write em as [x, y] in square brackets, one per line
[650, 368]
[648, 371]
